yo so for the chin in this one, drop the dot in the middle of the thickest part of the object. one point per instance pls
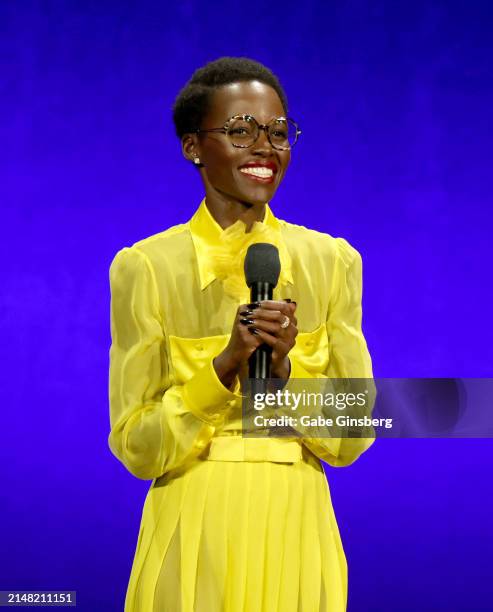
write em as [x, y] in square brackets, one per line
[258, 197]
[255, 194]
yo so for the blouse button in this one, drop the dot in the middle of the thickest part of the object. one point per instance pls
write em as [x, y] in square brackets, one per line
[309, 343]
[199, 347]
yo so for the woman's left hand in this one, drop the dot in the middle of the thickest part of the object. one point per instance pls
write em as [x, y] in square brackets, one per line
[275, 324]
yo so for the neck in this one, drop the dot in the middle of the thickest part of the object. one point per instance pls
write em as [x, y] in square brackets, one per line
[227, 211]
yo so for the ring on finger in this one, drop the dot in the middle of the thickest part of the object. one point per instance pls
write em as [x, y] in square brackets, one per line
[286, 322]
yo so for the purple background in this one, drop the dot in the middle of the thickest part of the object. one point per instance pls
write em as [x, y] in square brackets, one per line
[395, 101]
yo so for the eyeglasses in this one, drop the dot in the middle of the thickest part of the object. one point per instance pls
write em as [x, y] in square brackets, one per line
[244, 130]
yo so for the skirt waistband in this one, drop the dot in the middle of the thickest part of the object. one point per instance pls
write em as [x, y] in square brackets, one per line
[237, 448]
[232, 447]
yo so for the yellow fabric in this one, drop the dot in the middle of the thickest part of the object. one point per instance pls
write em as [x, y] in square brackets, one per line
[238, 448]
[221, 253]
[172, 420]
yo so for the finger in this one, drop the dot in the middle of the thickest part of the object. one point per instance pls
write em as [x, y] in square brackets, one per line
[264, 336]
[243, 327]
[278, 318]
[291, 310]
[284, 342]
[247, 309]
[271, 311]
[272, 316]
[271, 327]
[292, 304]
[286, 308]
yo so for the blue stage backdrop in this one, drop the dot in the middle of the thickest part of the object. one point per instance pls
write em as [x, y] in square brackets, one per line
[395, 101]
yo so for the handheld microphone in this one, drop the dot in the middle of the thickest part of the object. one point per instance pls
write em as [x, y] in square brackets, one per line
[262, 270]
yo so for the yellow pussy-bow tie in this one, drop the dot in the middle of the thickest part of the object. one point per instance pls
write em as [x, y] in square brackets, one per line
[227, 258]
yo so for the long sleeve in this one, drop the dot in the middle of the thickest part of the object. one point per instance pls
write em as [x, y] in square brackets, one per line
[348, 354]
[156, 426]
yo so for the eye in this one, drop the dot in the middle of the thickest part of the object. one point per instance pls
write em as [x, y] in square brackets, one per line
[240, 131]
[279, 133]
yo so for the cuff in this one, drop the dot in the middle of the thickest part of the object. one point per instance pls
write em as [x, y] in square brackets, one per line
[237, 390]
[207, 397]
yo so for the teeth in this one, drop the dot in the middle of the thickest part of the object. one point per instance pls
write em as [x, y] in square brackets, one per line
[259, 171]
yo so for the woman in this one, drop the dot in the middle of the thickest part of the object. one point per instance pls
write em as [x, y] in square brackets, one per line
[231, 523]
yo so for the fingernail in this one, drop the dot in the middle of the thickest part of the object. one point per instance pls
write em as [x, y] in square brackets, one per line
[246, 321]
[287, 300]
[254, 305]
[246, 313]
[252, 330]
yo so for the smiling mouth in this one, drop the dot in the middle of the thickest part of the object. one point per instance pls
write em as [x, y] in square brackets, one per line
[258, 173]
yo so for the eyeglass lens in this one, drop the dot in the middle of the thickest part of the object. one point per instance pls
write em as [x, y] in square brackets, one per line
[244, 132]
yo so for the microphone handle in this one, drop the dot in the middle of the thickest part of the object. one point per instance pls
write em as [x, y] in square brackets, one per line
[259, 363]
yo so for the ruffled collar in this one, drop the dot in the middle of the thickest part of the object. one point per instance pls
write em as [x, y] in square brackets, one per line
[221, 252]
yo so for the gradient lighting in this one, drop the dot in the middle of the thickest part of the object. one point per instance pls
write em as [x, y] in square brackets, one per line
[394, 100]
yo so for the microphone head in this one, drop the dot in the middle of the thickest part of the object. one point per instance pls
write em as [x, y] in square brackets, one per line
[262, 264]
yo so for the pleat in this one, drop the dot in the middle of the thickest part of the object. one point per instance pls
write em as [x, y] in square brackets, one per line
[246, 533]
[286, 554]
[289, 591]
[333, 588]
[165, 533]
[143, 542]
[167, 594]
[260, 501]
[237, 526]
[277, 527]
[212, 562]
[190, 530]
[310, 574]
[152, 536]
[330, 572]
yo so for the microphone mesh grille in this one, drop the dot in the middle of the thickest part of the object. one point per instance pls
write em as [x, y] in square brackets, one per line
[262, 264]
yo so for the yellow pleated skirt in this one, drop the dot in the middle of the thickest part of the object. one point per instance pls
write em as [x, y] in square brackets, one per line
[239, 536]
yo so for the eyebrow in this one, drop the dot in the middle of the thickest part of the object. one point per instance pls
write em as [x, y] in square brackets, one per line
[251, 115]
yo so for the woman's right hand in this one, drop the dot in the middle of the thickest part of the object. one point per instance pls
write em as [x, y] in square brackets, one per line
[241, 345]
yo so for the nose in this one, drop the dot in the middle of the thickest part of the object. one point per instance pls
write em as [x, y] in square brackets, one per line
[262, 144]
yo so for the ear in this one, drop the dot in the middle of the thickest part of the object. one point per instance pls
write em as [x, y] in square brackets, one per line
[190, 146]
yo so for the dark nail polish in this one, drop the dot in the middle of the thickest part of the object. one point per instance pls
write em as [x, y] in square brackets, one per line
[287, 300]
[246, 321]
[246, 313]
[252, 330]
[253, 305]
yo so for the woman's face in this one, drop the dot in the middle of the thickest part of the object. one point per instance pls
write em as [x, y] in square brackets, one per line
[223, 163]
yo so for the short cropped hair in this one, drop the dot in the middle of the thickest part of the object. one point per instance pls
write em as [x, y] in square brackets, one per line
[192, 103]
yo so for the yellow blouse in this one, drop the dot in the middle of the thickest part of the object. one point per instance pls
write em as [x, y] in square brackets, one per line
[174, 297]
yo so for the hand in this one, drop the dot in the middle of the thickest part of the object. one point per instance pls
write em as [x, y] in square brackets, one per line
[255, 324]
[266, 326]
